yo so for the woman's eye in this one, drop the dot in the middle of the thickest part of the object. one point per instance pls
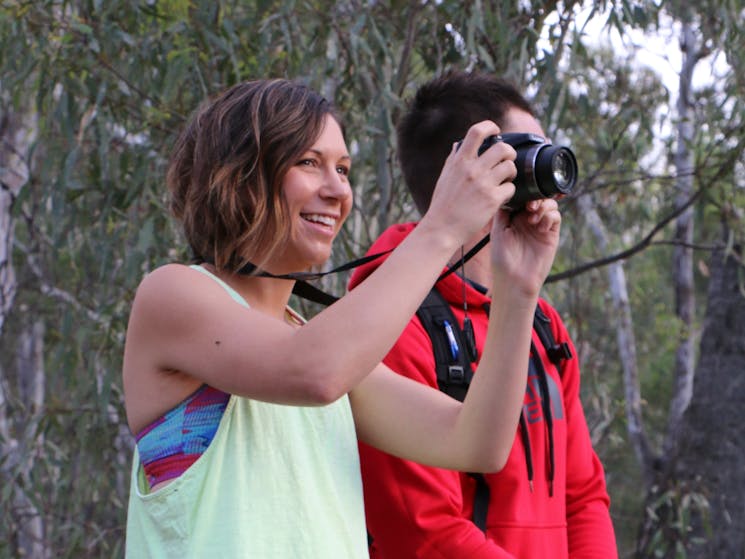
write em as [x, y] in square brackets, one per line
[342, 170]
[307, 162]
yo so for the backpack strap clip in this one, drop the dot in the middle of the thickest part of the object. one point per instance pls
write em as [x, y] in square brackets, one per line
[456, 374]
[556, 352]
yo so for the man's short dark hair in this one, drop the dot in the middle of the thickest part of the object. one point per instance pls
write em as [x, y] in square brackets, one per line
[439, 115]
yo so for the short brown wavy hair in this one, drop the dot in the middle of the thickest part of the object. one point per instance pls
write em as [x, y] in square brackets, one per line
[227, 167]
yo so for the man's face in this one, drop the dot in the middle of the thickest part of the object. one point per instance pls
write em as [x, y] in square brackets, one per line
[517, 120]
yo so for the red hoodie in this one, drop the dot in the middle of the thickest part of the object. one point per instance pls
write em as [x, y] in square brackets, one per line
[417, 511]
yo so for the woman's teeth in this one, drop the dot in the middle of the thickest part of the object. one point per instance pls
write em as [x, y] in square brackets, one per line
[322, 219]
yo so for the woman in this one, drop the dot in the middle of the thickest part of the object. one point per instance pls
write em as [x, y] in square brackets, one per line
[246, 416]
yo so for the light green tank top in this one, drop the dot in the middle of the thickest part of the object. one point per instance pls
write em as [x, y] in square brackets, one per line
[279, 482]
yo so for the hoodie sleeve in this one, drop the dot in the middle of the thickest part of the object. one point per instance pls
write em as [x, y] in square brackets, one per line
[589, 525]
[414, 510]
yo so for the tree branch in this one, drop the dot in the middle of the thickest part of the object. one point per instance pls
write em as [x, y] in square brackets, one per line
[624, 254]
[403, 65]
[60, 294]
[722, 169]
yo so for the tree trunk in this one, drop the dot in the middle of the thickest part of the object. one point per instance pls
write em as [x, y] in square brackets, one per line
[20, 440]
[700, 506]
[685, 303]
[711, 454]
[12, 177]
[626, 341]
[30, 535]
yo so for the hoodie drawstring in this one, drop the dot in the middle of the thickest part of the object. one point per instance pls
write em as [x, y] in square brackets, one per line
[525, 436]
[545, 397]
[548, 418]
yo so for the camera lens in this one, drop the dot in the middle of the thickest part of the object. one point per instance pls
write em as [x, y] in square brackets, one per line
[555, 170]
[562, 168]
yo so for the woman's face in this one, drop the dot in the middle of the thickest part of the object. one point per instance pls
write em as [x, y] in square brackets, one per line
[319, 198]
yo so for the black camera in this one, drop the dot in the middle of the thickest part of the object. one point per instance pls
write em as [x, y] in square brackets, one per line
[543, 170]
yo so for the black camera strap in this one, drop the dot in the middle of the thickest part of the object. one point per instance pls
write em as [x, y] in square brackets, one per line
[312, 293]
[306, 290]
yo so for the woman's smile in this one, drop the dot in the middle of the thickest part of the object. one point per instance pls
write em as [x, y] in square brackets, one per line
[322, 221]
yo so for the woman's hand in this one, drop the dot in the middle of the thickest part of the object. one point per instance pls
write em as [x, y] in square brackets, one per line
[471, 188]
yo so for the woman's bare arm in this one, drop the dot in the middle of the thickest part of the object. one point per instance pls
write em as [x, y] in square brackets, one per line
[182, 321]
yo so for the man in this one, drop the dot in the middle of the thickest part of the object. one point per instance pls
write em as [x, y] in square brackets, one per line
[550, 500]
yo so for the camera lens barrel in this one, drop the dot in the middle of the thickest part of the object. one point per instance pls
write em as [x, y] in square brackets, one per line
[543, 170]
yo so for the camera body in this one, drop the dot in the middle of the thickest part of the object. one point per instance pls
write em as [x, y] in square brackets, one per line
[543, 169]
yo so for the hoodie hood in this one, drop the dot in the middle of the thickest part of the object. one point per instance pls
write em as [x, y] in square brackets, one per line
[450, 287]
[390, 239]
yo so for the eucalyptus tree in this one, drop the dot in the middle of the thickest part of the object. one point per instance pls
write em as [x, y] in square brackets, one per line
[695, 507]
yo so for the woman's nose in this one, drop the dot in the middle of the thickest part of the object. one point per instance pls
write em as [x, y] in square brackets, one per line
[336, 185]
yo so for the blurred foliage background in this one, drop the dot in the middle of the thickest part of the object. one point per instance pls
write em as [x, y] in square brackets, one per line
[92, 94]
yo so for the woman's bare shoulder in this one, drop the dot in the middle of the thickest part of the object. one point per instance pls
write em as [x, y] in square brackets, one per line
[167, 276]
[172, 285]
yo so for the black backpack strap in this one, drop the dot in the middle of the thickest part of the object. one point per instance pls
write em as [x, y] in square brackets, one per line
[454, 373]
[452, 362]
[542, 325]
[481, 499]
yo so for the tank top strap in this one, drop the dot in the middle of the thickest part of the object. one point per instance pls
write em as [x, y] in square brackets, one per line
[232, 292]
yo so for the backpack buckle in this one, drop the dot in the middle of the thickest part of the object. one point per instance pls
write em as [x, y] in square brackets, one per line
[456, 374]
[559, 352]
